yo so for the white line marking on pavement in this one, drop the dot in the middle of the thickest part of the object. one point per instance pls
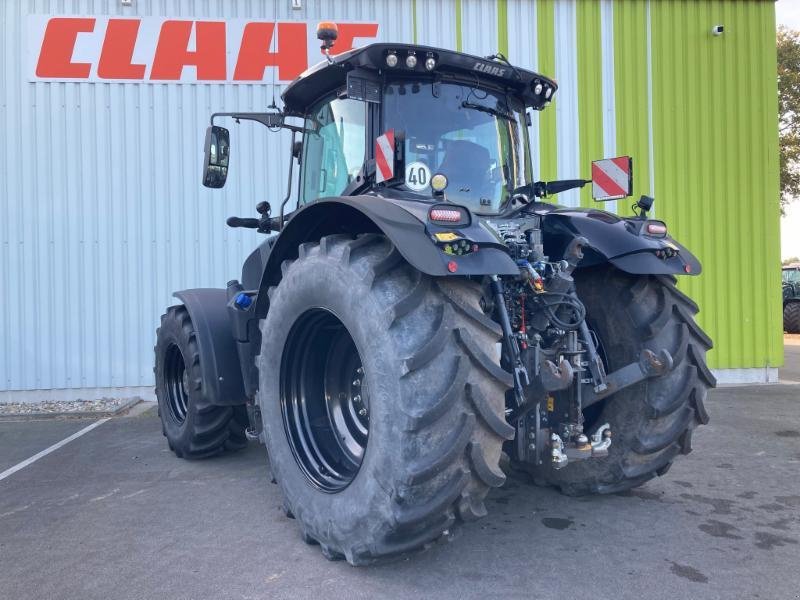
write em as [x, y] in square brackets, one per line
[53, 448]
[19, 509]
[104, 496]
[126, 496]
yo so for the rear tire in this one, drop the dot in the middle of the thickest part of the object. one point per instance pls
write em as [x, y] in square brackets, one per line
[429, 376]
[194, 427]
[652, 422]
[791, 317]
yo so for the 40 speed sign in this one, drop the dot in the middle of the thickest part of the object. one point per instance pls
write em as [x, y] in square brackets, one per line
[418, 176]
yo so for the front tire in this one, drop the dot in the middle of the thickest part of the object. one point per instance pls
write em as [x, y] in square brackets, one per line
[652, 421]
[194, 427]
[352, 318]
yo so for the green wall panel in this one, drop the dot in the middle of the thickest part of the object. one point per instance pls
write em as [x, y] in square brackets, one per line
[502, 27]
[630, 78]
[590, 91]
[546, 45]
[716, 163]
[459, 35]
[698, 113]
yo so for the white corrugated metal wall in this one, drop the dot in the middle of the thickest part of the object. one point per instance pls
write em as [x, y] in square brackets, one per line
[103, 214]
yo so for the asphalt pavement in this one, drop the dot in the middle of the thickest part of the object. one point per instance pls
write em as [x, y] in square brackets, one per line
[113, 514]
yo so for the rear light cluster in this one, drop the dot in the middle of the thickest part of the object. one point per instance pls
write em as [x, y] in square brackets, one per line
[450, 241]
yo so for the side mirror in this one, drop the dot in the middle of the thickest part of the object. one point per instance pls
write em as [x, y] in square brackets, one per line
[612, 178]
[217, 153]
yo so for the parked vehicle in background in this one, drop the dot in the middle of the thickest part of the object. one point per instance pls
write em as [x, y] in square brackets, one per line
[791, 298]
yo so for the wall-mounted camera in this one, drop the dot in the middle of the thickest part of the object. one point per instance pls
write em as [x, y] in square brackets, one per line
[717, 30]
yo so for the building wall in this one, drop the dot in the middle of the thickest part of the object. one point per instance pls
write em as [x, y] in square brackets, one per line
[716, 154]
[102, 214]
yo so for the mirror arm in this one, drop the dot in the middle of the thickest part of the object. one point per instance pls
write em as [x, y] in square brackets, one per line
[266, 119]
[556, 187]
[543, 189]
[289, 185]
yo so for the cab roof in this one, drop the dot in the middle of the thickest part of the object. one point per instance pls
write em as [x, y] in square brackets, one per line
[326, 77]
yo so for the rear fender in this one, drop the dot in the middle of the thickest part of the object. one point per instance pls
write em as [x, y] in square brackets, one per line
[403, 222]
[219, 359]
[614, 240]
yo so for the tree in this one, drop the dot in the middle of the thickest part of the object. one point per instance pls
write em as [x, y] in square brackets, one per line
[789, 112]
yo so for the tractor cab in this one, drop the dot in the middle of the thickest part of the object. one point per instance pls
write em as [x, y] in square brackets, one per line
[438, 112]
[431, 111]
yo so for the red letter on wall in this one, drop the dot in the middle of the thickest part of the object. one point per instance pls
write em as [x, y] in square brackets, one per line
[349, 31]
[117, 54]
[172, 54]
[55, 57]
[255, 57]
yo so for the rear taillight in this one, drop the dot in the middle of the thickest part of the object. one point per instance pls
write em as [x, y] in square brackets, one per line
[449, 214]
[445, 215]
[656, 228]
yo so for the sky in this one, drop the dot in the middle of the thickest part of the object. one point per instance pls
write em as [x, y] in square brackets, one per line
[787, 12]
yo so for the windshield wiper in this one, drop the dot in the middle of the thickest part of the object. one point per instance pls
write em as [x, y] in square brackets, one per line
[490, 110]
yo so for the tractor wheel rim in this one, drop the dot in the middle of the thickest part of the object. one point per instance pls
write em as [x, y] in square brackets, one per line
[324, 400]
[176, 379]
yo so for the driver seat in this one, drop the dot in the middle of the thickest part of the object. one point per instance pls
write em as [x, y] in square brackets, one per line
[466, 164]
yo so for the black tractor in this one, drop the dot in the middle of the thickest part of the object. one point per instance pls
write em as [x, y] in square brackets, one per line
[791, 298]
[418, 323]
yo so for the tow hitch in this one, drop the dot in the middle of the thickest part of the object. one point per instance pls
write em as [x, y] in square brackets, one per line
[540, 439]
[575, 445]
[581, 448]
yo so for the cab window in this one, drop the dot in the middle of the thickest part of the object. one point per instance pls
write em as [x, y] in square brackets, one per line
[476, 137]
[334, 147]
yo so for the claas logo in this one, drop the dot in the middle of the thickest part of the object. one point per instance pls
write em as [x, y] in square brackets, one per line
[178, 50]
